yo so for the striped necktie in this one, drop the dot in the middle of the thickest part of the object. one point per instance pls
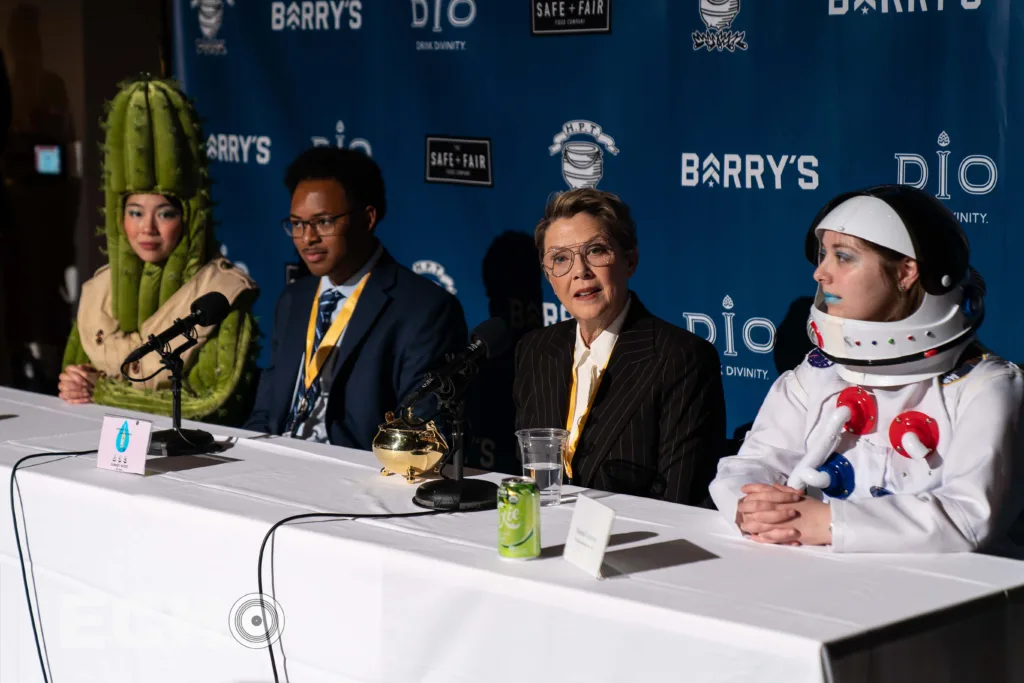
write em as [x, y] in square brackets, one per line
[304, 398]
[328, 302]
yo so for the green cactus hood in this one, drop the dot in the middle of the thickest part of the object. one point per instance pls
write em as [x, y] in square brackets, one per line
[154, 144]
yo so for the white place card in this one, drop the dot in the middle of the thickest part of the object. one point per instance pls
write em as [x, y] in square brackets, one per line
[124, 444]
[589, 532]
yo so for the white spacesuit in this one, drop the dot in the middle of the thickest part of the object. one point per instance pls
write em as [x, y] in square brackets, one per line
[908, 429]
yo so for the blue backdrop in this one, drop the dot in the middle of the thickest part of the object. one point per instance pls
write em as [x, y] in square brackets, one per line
[724, 124]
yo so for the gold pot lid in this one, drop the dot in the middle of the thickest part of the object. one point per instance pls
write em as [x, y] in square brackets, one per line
[405, 423]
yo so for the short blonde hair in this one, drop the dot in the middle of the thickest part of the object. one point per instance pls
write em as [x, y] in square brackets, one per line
[611, 213]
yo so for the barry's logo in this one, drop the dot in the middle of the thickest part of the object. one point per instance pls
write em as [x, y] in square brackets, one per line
[238, 149]
[318, 15]
[718, 16]
[748, 171]
[866, 7]
[582, 160]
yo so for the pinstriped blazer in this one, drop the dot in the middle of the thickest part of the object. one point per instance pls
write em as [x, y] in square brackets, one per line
[657, 426]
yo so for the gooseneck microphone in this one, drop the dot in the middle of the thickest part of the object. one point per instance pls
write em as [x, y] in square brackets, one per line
[488, 340]
[207, 310]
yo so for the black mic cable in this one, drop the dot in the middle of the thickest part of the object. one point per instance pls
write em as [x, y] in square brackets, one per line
[259, 566]
[317, 515]
[21, 555]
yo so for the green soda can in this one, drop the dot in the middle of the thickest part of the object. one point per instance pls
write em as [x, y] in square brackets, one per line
[518, 518]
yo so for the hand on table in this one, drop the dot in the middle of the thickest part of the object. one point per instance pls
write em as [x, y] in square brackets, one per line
[772, 513]
[77, 382]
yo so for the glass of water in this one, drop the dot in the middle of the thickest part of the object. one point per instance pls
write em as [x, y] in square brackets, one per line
[541, 451]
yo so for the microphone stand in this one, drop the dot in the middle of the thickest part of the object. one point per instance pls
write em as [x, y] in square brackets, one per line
[177, 441]
[456, 493]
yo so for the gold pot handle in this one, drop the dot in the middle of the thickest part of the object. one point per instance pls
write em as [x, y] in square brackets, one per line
[438, 437]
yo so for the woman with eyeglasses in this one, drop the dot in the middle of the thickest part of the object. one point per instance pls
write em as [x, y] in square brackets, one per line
[641, 399]
[163, 256]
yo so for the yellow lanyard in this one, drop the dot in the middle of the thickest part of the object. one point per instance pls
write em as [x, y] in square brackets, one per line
[315, 362]
[570, 448]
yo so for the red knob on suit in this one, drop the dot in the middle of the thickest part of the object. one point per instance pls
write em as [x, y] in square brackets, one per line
[863, 410]
[913, 434]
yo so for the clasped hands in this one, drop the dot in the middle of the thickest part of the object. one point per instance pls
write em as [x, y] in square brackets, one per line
[77, 383]
[773, 513]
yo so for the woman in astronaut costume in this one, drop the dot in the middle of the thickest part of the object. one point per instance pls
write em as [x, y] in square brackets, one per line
[899, 432]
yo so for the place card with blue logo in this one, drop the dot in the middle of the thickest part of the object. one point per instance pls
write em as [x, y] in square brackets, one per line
[124, 444]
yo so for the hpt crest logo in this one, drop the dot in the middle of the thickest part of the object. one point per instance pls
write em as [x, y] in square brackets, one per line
[211, 16]
[435, 272]
[718, 16]
[582, 160]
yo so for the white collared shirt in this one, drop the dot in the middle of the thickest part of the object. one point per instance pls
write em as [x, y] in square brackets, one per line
[589, 364]
[314, 428]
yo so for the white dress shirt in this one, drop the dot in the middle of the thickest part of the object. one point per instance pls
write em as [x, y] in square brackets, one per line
[314, 428]
[589, 365]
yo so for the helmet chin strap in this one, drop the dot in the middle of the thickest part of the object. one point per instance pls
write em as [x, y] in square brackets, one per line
[910, 358]
[910, 373]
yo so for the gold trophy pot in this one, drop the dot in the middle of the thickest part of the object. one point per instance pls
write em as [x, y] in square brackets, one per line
[410, 450]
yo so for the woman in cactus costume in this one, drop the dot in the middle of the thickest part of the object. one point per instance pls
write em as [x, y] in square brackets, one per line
[163, 256]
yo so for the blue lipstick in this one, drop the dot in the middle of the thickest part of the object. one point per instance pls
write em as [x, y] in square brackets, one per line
[832, 298]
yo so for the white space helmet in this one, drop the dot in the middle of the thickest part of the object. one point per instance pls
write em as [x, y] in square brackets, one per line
[929, 341]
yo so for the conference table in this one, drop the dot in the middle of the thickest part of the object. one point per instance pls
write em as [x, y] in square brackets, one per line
[141, 578]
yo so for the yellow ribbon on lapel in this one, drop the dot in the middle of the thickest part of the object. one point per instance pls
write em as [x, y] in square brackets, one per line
[570, 447]
[314, 363]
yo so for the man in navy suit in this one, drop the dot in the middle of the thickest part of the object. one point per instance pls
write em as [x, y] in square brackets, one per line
[358, 335]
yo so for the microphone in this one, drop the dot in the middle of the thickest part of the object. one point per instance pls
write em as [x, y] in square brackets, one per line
[488, 340]
[209, 309]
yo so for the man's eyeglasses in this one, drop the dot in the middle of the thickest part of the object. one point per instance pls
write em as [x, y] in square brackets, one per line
[325, 226]
[596, 254]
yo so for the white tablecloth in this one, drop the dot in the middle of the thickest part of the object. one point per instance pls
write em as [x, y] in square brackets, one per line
[135, 578]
